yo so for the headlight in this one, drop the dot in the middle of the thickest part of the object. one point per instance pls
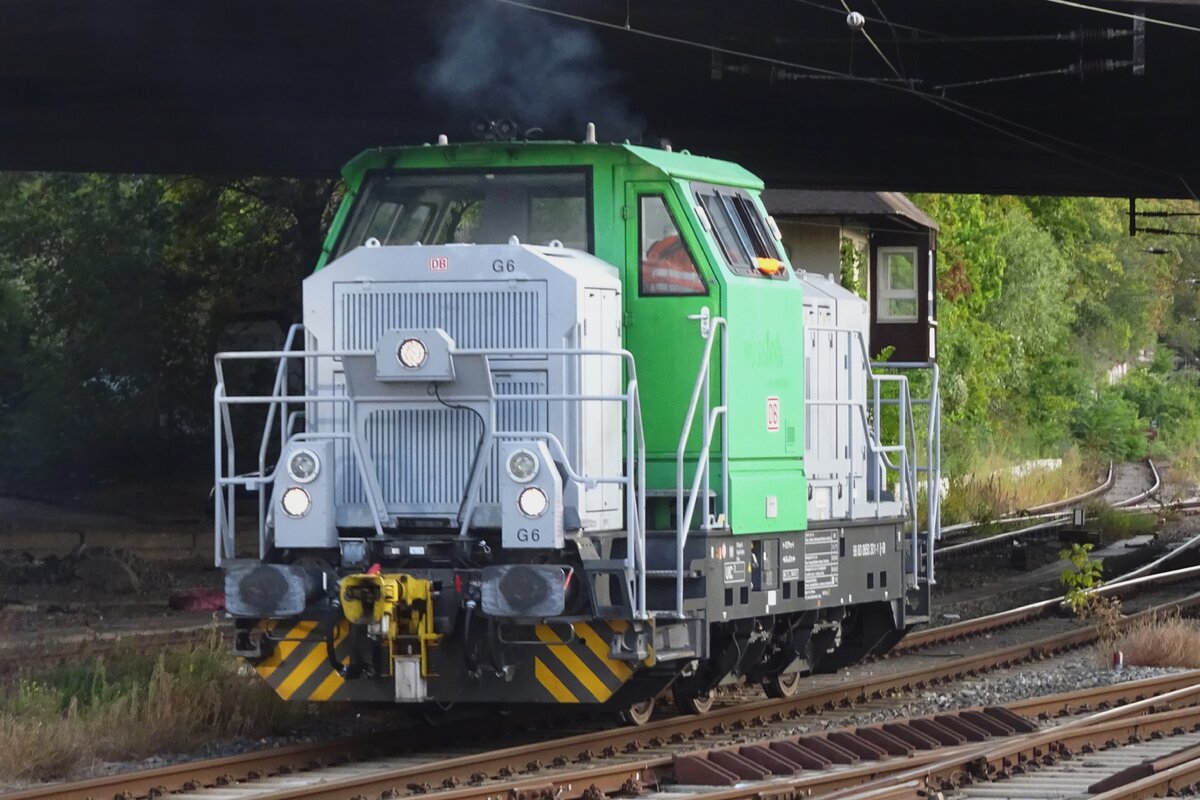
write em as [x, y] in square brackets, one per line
[296, 502]
[522, 466]
[412, 353]
[533, 502]
[304, 466]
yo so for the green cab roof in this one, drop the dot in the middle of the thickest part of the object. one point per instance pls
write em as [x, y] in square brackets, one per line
[680, 164]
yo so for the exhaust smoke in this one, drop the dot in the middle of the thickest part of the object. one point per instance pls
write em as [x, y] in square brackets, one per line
[498, 62]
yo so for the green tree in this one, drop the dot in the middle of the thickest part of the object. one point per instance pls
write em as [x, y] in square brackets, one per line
[126, 284]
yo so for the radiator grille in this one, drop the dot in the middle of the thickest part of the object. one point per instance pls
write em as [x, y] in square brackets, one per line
[476, 315]
[423, 457]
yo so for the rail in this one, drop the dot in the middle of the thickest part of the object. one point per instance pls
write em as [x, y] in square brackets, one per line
[589, 752]
[1140, 496]
[702, 397]
[291, 771]
[1049, 519]
[284, 409]
[1045, 511]
[1101, 488]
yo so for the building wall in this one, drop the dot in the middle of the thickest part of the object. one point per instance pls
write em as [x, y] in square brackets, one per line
[813, 244]
[812, 248]
[916, 340]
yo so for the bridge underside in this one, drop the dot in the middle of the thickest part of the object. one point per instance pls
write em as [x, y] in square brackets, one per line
[1071, 100]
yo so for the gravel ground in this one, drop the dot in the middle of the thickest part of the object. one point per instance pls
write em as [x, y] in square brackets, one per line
[1084, 669]
[1079, 670]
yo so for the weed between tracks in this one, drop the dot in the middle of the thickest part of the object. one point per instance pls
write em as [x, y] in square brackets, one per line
[1113, 524]
[991, 490]
[1162, 641]
[125, 706]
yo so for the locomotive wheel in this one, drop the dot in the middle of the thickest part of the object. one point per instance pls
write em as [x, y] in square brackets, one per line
[690, 703]
[637, 714]
[785, 684]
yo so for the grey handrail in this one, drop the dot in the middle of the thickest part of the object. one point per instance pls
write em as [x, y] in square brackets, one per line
[909, 466]
[278, 402]
[709, 327]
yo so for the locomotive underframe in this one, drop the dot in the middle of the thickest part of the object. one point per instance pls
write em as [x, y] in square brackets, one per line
[757, 607]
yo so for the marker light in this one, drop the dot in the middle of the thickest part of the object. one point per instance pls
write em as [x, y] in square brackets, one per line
[769, 266]
[412, 353]
[533, 502]
[522, 466]
[296, 502]
[304, 466]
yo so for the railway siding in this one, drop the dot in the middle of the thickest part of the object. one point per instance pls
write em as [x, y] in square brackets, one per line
[583, 765]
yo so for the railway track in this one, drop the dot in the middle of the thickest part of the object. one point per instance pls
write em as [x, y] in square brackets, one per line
[1041, 512]
[1122, 587]
[583, 765]
[1050, 519]
[945, 745]
[1104, 752]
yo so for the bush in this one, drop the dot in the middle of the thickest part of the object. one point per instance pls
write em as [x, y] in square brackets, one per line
[1167, 641]
[1110, 425]
[127, 706]
[1081, 577]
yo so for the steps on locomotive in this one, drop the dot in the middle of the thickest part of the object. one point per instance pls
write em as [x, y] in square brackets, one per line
[661, 575]
[662, 506]
[661, 571]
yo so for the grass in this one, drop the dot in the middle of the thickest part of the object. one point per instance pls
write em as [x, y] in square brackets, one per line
[1113, 524]
[1183, 473]
[990, 489]
[1161, 641]
[127, 706]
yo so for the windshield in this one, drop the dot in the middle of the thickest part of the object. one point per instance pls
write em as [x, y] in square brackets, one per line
[485, 207]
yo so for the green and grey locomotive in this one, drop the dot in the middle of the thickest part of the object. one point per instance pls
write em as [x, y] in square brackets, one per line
[570, 430]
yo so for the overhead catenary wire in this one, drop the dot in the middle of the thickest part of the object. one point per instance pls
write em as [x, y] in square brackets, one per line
[1086, 148]
[1078, 68]
[895, 37]
[1003, 120]
[953, 107]
[939, 101]
[1125, 14]
[894, 26]
[867, 35]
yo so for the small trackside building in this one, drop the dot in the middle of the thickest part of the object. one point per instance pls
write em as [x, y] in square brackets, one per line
[896, 245]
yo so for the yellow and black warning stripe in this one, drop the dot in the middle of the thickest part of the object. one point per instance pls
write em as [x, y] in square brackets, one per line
[577, 668]
[297, 666]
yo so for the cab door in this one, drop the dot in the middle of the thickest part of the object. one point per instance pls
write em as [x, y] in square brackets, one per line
[668, 278]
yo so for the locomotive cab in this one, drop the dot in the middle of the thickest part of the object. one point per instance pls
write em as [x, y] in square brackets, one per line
[550, 444]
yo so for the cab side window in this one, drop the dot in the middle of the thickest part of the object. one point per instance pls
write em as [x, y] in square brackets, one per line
[666, 268]
[740, 233]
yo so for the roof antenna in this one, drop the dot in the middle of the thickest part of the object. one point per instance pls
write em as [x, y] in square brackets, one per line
[589, 137]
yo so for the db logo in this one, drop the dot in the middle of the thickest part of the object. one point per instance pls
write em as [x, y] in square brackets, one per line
[772, 413]
[439, 264]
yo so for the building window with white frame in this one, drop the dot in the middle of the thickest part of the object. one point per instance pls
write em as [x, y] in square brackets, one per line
[896, 298]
